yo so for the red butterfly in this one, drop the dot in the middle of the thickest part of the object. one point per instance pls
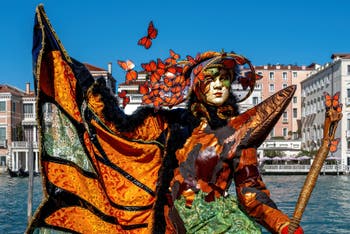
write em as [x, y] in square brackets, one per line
[152, 33]
[126, 99]
[173, 57]
[143, 89]
[334, 145]
[128, 66]
[192, 60]
[247, 80]
[197, 71]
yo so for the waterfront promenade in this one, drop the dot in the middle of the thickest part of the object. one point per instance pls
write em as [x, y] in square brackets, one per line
[301, 169]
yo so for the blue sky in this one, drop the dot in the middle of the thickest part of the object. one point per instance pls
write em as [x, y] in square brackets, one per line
[99, 32]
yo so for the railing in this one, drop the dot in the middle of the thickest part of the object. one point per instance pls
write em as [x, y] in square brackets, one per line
[29, 116]
[302, 168]
[23, 145]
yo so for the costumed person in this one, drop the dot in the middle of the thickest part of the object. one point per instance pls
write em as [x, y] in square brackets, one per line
[157, 170]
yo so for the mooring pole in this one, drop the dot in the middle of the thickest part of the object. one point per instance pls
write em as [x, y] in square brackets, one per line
[30, 180]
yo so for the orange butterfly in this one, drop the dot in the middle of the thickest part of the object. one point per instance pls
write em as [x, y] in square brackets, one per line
[173, 57]
[152, 33]
[197, 71]
[192, 60]
[156, 70]
[143, 89]
[128, 66]
[332, 102]
[126, 99]
[336, 99]
[334, 145]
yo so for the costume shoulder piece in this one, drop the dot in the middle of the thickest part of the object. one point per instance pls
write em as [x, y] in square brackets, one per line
[253, 126]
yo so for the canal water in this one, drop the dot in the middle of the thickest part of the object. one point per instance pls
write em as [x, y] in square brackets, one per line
[327, 212]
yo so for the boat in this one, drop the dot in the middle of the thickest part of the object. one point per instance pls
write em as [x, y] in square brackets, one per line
[20, 173]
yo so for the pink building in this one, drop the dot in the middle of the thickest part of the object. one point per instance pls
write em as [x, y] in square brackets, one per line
[276, 77]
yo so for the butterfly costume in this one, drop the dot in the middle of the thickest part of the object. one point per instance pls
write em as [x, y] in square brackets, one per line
[157, 170]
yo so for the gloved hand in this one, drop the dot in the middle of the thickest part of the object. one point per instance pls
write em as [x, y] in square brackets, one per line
[298, 231]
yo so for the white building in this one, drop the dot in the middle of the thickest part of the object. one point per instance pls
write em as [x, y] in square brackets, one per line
[331, 77]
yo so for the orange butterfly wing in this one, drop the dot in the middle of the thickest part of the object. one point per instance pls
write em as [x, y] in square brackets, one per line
[328, 99]
[126, 65]
[145, 41]
[152, 33]
[334, 145]
[143, 89]
[336, 97]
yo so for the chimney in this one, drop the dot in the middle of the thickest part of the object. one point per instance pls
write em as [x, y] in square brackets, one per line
[27, 88]
[110, 68]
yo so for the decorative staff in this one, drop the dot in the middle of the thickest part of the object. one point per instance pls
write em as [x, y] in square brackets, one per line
[333, 116]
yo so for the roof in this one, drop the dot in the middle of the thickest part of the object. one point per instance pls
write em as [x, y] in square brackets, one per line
[93, 68]
[4, 88]
[284, 67]
[341, 55]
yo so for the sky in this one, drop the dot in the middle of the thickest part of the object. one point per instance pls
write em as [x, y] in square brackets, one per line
[99, 32]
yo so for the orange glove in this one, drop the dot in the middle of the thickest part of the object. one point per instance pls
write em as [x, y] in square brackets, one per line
[298, 231]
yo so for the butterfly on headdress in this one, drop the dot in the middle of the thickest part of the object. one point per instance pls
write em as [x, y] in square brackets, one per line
[128, 66]
[123, 95]
[155, 69]
[173, 58]
[152, 33]
[333, 146]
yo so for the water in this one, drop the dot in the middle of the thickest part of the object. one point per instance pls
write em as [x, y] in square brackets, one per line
[327, 212]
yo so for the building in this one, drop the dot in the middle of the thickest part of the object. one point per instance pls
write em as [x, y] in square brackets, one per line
[18, 122]
[332, 77]
[277, 77]
[12, 102]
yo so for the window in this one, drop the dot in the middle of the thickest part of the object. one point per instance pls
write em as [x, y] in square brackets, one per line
[272, 75]
[272, 88]
[295, 74]
[2, 106]
[284, 75]
[348, 69]
[255, 100]
[285, 117]
[285, 132]
[2, 133]
[295, 99]
[284, 86]
[27, 108]
[13, 107]
[295, 112]
[272, 133]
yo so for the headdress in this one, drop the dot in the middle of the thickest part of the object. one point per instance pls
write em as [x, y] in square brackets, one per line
[180, 78]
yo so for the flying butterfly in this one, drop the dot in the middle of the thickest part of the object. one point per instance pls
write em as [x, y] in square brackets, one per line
[334, 145]
[128, 66]
[152, 33]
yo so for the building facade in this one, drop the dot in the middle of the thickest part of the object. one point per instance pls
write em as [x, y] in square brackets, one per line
[332, 77]
[277, 77]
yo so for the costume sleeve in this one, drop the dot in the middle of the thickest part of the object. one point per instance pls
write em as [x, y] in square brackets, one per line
[253, 195]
